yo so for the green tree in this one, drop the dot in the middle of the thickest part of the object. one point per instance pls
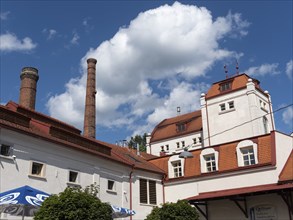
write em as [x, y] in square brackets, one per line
[141, 140]
[74, 204]
[174, 211]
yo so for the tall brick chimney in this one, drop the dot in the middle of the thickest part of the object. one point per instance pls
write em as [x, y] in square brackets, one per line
[28, 89]
[89, 129]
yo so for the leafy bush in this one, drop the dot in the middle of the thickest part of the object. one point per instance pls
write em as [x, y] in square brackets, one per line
[174, 211]
[74, 204]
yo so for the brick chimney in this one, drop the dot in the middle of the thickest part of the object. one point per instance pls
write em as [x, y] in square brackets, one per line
[90, 100]
[28, 89]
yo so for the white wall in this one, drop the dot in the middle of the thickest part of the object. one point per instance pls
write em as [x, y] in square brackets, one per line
[59, 160]
[145, 209]
[242, 122]
[188, 139]
[228, 210]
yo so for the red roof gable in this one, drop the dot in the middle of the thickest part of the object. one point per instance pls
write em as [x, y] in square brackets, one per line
[168, 127]
[237, 82]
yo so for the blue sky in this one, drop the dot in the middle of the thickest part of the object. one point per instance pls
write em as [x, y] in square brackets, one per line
[152, 56]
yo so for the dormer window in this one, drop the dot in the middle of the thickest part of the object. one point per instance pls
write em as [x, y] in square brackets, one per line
[225, 86]
[246, 153]
[181, 127]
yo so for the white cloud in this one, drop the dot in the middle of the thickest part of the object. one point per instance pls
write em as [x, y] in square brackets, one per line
[51, 33]
[287, 116]
[147, 69]
[4, 15]
[87, 25]
[9, 42]
[75, 38]
[264, 69]
[289, 69]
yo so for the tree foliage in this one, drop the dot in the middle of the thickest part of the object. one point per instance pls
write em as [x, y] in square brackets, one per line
[141, 140]
[174, 211]
[74, 204]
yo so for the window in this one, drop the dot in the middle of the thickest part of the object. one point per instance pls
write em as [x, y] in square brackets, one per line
[209, 160]
[143, 189]
[152, 192]
[111, 185]
[175, 166]
[183, 144]
[223, 107]
[231, 105]
[162, 148]
[248, 156]
[167, 147]
[147, 189]
[194, 140]
[5, 150]
[73, 177]
[227, 107]
[178, 144]
[265, 124]
[37, 169]
[181, 127]
[199, 139]
[262, 105]
[246, 153]
[177, 169]
[225, 86]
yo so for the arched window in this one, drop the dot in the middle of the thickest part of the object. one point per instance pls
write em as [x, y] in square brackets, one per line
[209, 160]
[246, 153]
[175, 166]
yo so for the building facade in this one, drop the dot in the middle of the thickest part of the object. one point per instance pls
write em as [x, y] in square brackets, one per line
[239, 166]
[238, 170]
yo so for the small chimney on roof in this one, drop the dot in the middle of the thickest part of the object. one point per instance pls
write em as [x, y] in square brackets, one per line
[90, 100]
[28, 89]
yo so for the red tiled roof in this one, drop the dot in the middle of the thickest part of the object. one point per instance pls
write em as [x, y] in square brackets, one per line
[41, 117]
[239, 191]
[287, 172]
[30, 123]
[168, 127]
[227, 158]
[238, 82]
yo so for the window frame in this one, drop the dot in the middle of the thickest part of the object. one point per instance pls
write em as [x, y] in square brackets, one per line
[172, 160]
[77, 181]
[245, 145]
[233, 105]
[113, 189]
[209, 152]
[225, 86]
[177, 168]
[222, 107]
[10, 150]
[42, 172]
[181, 127]
[147, 192]
[210, 162]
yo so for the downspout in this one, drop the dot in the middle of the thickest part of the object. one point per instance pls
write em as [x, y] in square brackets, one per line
[163, 187]
[130, 189]
[270, 108]
[208, 124]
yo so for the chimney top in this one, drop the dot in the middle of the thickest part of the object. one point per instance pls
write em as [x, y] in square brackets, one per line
[92, 60]
[28, 88]
[29, 72]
